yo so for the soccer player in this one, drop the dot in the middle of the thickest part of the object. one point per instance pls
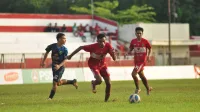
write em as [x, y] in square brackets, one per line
[142, 51]
[58, 56]
[97, 62]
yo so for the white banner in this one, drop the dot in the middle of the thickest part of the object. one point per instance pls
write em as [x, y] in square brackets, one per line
[14, 76]
[11, 76]
[151, 72]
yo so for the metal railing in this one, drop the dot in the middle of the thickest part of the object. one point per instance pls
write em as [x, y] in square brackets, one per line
[159, 59]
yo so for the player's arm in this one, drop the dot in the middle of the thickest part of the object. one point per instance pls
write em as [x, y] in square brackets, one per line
[149, 51]
[48, 49]
[131, 47]
[44, 59]
[74, 52]
[112, 53]
[87, 48]
[65, 55]
[129, 50]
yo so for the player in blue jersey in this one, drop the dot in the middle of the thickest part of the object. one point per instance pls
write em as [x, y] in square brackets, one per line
[58, 56]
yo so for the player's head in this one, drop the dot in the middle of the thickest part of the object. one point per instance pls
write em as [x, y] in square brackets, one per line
[139, 32]
[61, 39]
[101, 39]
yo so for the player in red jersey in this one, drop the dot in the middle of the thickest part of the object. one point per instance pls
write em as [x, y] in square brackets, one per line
[142, 51]
[97, 62]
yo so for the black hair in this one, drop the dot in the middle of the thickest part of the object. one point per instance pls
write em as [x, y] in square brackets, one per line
[100, 36]
[59, 35]
[139, 29]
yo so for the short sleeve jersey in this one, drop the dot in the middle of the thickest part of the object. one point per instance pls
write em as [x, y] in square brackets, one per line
[96, 49]
[58, 54]
[140, 49]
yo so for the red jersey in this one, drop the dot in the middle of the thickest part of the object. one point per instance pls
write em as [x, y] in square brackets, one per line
[97, 54]
[140, 49]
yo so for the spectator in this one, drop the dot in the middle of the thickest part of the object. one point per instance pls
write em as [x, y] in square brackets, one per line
[80, 28]
[83, 37]
[97, 29]
[87, 28]
[74, 28]
[105, 31]
[56, 29]
[93, 34]
[49, 28]
[63, 29]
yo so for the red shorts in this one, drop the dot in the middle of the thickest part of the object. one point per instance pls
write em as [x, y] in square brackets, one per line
[139, 67]
[103, 71]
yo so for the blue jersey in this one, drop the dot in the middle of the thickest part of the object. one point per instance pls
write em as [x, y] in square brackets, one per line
[58, 54]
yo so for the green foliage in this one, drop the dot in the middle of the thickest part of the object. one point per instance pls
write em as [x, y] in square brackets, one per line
[108, 10]
[107, 4]
[136, 14]
[81, 9]
[187, 10]
[40, 6]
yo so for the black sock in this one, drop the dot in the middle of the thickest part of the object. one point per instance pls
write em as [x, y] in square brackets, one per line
[70, 81]
[52, 94]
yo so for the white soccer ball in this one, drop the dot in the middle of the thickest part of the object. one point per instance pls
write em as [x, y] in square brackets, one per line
[134, 98]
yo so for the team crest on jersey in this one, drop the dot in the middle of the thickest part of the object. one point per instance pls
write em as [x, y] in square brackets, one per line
[60, 52]
[142, 45]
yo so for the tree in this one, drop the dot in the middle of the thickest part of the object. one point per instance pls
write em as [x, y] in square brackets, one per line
[39, 6]
[108, 10]
[136, 14]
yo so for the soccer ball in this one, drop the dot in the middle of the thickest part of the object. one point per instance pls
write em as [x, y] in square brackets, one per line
[134, 98]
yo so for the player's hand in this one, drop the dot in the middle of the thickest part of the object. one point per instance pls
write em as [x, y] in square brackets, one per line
[42, 65]
[56, 67]
[69, 57]
[148, 59]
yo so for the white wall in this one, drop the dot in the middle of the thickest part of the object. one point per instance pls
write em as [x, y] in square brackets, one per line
[161, 53]
[60, 22]
[157, 31]
[36, 42]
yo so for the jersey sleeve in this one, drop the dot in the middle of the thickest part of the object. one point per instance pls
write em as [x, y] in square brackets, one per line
[148, 44]
[65, 52]
[88, 48]
[49, 48]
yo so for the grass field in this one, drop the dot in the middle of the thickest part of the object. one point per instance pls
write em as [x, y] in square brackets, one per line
[167, 96]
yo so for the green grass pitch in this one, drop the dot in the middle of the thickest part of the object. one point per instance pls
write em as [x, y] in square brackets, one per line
[167, 96]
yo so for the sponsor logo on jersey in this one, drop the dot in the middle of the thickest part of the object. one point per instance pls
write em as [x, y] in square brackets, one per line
[139, 50]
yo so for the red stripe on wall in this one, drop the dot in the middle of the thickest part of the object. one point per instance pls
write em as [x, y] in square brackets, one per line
[104, 20]
[26, 28]
[43, 16]
[55, 16]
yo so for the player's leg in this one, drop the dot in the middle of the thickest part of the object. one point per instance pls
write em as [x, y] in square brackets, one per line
[136, 81]
[145, 82]
[98, 79]
[72, 82]
[53, 90]
[65, 81]
[55, 85]
[106, 77]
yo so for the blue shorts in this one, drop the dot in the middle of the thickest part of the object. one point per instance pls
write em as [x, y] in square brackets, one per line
[57, 74]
